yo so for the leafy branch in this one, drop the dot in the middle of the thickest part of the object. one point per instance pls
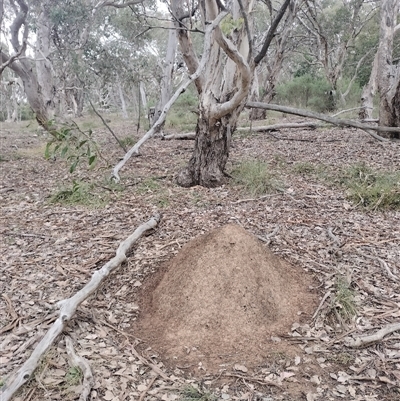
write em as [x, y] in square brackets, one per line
[70, 142]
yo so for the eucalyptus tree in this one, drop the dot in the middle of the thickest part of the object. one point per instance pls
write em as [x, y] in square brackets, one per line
[224, 85]
[330, 30]
[48, 24]
[269, 70]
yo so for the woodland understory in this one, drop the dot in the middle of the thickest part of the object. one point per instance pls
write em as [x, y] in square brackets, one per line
[49, 251]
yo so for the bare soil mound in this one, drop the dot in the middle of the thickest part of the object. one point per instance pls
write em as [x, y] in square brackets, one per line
[219, 301]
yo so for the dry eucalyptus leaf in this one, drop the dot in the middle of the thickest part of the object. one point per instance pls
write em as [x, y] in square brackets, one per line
[240, 368]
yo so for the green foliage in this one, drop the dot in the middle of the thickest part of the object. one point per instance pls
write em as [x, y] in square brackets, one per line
[148, 185]
[74, 376]
[344, 303]
[254, 177]
[228, 25]
[26, 113]
[128, 141]
[71, 143]
[191, 393]
[371, 189]
[80, 193]
[306, 91]
[182, 115]
[344, 358]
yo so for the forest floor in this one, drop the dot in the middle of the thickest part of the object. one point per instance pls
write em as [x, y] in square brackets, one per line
[351, 255]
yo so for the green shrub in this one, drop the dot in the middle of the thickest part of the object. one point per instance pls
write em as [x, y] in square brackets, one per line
[307, 91]
[128, 141]
[182, 115]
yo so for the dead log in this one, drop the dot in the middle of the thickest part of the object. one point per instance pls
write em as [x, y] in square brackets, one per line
[336, 121]
[276, 127]
[68, 308]
[188, 135]
[273, 127]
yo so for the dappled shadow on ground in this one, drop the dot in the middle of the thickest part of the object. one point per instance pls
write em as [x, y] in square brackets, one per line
[49, 251]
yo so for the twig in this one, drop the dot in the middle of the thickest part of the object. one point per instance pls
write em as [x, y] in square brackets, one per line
[366, 340]
[4, 190]
[155, 368]
[108, 127]
[254, 199]
[332, 236]
[320, 304]
[383, 263]
[83, 365]
[11, 309]
[144, 392]
[28, 235]
[253, 379]
[268, 237]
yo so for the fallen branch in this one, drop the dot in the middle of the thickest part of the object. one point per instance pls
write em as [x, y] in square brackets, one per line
[276, 127]
[83, 365]
[188, 135]
[206, 55]
[362, 341]
[336, 121]
[68, 308]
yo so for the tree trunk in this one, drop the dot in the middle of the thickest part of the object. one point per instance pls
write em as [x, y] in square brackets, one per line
[388, 75]
[211, 151]
[122, 98]
[167, 79]
[43, 64]
[223, 87]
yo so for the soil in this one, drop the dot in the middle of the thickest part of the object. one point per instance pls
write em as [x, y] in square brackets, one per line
[219, 301]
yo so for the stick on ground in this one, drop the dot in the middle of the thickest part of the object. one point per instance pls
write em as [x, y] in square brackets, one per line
[68, 308]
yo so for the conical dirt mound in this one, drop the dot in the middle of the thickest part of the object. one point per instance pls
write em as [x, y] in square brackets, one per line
[219, 301]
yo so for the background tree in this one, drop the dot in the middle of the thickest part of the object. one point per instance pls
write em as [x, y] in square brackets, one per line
[269, 70]
[330, 30]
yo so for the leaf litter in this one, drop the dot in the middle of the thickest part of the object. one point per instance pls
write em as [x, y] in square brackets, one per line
[49, 251]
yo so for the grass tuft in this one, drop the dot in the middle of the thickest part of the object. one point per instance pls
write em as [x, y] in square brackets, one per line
[74, 376]
[128, 141]
[79, 194]
[372, 189]
[254, 177]
[344, 303]
[191, 393]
